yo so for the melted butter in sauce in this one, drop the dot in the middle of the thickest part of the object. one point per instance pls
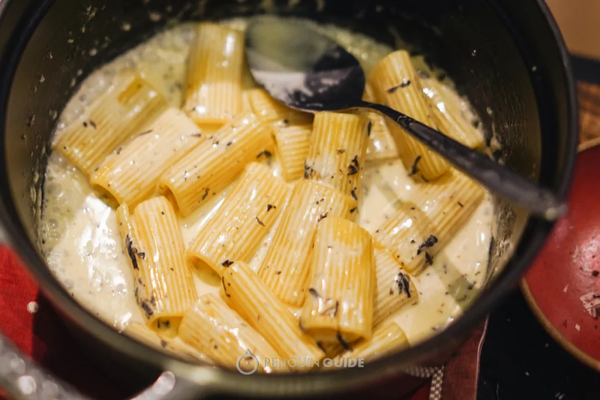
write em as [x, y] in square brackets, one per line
[81, 239]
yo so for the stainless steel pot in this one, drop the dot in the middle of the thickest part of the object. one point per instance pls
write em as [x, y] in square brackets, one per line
[518, 79]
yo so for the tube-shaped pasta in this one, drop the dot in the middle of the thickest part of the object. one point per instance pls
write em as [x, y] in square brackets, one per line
[387, 338]
[130, 175]
[292, 131]
[164, 286]
[381, 146]
[215, 163]
[270, 111]
[336, 156]
[149, 337]
[395, 288]
[447, 113]
[243, 220]
[292, 142]
[246, 107]
[213, 94]
[333, 349]
[381, 143]
[395, 82]
[109, 121]
[247, 294]
[286, 266]
[408, 230]
[418, 230]
[339, 305]
[214, 329]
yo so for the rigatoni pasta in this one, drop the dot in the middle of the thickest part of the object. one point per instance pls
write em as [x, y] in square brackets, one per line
[164, 286]
[244, 291]
[293, 142]
[381, 143]
[395, 83]
[270, 111]
[147, 336]
[447, 114]
[214, 329]
[337, 151]
[333, 349]
[286, 266]
[395, 288]
[111, 120]
[246, 107]
[292, 131]
[215, 163]
[213, 94]
[405, 235]
[130, 174]
[387, 338]
[339, 304]
[246, 216]
[381, 146]
[419, 229]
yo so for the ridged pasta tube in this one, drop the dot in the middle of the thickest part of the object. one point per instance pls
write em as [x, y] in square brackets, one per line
[149, 337]
[448, 115]
[214, 329]
[395, 83]
[286, 266]
[244, 291]
[131, 174]
[340, 301]
[270, 111]
[243, 220]
[292, 131]
[395, 287]
[336, 156]
[292, 142]
[387, 338]
[215, 163]
[381, 143]
[213, 95]
[112, 119]
[418, 230]
[164, 285]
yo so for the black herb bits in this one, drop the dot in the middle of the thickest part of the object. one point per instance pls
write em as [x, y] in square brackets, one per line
[131, 251]
[337, 150]
[405, 82]
[414, 167]
[429, 242]
[403, 284]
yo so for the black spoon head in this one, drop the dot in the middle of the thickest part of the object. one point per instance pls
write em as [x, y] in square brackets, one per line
[302, 68]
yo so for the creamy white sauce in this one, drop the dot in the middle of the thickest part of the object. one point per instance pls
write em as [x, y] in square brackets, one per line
[81, 239]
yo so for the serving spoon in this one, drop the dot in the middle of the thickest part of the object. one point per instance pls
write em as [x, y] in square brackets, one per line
[310, 72]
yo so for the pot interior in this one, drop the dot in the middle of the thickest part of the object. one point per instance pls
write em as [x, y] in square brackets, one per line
[74, 39]
[517, 89]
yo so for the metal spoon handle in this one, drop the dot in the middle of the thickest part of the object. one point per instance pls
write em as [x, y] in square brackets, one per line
[497, 178]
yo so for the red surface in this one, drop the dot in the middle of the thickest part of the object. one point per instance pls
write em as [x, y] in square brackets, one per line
[43, 337]
[563, 272]
[462, 372]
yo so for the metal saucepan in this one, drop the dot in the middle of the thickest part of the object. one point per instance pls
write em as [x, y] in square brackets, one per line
[518, 79]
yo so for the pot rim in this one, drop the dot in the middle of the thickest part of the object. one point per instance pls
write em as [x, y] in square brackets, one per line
[221, 380]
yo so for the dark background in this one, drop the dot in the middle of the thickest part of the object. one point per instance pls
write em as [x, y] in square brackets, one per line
[519, 359]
